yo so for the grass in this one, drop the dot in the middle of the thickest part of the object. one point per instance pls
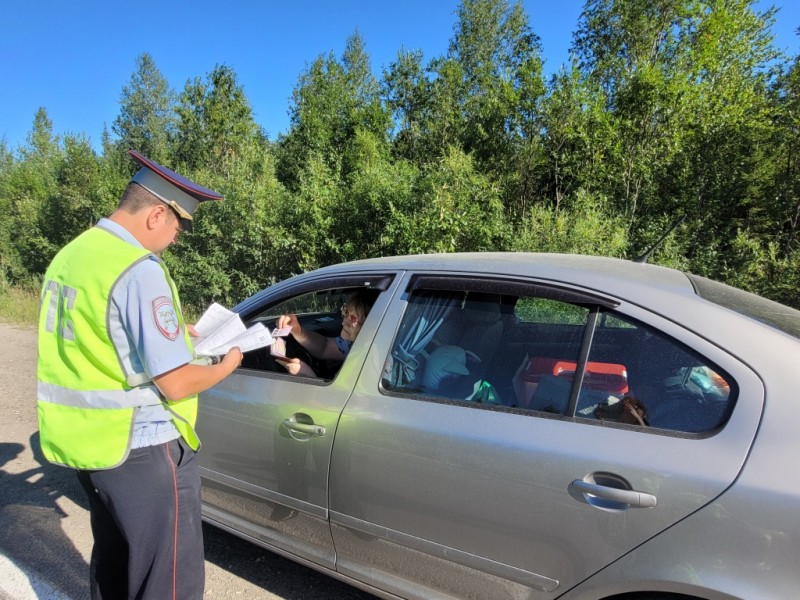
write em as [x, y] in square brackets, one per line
[19, 305]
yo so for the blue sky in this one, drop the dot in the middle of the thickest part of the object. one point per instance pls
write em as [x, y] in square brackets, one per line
[74, 57]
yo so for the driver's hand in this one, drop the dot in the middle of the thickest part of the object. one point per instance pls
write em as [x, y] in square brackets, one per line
[295, 366]
[290, 321]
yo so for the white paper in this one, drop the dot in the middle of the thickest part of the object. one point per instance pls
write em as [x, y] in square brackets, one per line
[221, 329]
[254, 337]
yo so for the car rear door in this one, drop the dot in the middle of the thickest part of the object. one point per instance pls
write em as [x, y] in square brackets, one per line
[431, 497]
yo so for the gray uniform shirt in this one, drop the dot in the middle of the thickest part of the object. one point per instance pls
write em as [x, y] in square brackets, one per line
[144, 329]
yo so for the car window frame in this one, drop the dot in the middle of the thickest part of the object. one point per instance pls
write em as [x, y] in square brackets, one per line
[597, 305]
[510, 286]
[271, 296]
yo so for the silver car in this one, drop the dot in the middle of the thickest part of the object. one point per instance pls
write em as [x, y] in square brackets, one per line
[519, 426]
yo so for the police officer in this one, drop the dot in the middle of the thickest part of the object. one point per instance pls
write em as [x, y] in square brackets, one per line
[117, 391]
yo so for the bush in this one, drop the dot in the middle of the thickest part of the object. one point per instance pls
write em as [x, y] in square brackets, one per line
[20, 303]
[583, 228]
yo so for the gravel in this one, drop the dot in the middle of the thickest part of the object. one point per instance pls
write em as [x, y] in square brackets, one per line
[45, 540]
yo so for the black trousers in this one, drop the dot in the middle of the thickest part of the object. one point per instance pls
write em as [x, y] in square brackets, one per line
[148, 536]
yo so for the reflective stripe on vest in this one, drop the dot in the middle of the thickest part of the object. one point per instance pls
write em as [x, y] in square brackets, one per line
[86, 407]
[56, 394]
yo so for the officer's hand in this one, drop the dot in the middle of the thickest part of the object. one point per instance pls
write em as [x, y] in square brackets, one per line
[233, 358]
[192, 331]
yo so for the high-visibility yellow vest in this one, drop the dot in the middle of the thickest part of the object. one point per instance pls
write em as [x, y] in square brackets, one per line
[86, 406]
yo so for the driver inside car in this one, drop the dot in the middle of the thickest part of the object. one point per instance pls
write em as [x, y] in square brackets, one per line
[354, 313]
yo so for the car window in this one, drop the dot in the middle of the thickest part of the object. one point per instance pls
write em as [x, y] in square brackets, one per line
[319, 311]
[522, 353]
[640, 376]
[320, 306]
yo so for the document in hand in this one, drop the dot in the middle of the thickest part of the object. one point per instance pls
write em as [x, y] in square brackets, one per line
[221, 329]
[278, 348]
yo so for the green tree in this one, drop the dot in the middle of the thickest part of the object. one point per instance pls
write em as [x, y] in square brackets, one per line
[634, 52]
[146, 121]
[452, 208]
[7, 248]
[235, 247]
[42, 145]
[427, 104]
[332, 101]
[229, 254]
[786, 158]
[585, 227]
[762, 254]
[577, 133]
[685, 88]
[215, 123]
[500, 61]
[482, 97]
[26, 189]
[729, 126]
[407, 92]
[79, 199]
[377, 189]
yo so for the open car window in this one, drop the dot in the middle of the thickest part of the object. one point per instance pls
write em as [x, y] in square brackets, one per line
[318, 311]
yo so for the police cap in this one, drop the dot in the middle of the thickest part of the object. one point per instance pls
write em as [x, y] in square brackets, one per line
[180, 194]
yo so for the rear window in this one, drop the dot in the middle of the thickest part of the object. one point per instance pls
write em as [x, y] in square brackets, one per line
[771, 313]
[534, 354]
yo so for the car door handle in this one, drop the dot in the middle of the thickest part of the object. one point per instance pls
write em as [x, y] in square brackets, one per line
[307, 428]
[629, 497]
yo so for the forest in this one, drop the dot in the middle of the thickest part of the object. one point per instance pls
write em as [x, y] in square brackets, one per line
[669, 109]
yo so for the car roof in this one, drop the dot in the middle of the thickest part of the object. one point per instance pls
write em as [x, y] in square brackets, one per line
[650, 286]
[591, 272]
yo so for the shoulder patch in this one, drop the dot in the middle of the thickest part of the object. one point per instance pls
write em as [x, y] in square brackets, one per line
[165, 317]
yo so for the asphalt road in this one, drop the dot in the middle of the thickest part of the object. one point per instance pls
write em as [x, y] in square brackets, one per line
[45, 540]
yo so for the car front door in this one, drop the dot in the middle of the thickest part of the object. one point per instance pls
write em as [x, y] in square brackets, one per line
[267, 435]
[514, 494]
